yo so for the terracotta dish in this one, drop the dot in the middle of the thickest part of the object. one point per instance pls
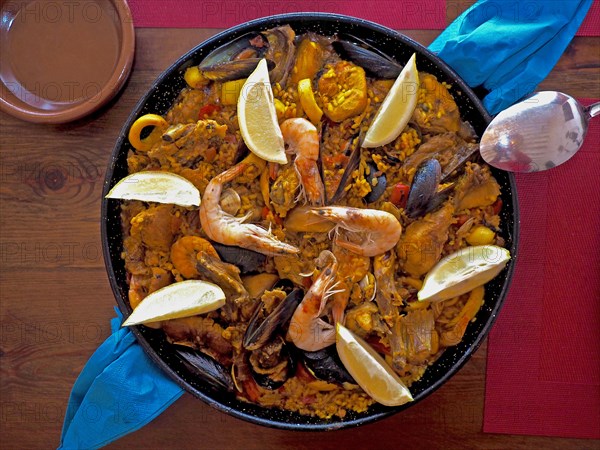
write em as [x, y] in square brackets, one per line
[62, 60]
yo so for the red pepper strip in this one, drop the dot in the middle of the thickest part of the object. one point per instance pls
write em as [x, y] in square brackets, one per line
[251, 389]
[207, 110]
[497, 206]
[378, 346]
[399, 195]
[265, 212]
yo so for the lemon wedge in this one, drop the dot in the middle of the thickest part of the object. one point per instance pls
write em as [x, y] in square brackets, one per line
[463, 271]
[397, 108]
[308, 102]
[183, 299]
[257, 117]
[370, 370]
[154, 186]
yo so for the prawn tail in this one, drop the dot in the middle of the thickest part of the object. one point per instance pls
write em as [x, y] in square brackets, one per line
[263, 241]
[231, 173]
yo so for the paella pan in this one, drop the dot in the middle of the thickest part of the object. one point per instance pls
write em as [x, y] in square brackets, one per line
[202, 142]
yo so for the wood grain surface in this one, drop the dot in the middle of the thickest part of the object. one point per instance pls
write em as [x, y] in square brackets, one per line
[56, 302]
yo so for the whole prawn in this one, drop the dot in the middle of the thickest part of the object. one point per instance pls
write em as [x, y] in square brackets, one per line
[302, 139]
[307, 330]
[373, 231]
[229, 230]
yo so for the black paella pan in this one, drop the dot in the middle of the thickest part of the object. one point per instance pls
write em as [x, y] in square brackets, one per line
[159, 99]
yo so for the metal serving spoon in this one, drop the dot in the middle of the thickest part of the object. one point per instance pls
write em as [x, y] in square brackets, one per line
[539, 133]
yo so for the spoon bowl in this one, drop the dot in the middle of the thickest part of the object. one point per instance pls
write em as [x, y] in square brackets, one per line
[539, 133]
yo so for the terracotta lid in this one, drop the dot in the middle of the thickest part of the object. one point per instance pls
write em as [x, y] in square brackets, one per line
[61, 60]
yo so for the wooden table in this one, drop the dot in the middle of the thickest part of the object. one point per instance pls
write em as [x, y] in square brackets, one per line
[56, 301]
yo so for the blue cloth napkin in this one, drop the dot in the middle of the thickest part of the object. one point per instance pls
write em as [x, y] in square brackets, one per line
[118, 391]
[507, 48]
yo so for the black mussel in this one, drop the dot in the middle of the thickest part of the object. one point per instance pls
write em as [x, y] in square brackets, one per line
[272, 364]
[206, 368]
[233, 70]
[424, 187]
[236, 59]
[261, 329]
[375, 62]
[249, 45]
[326, 365]
[248, 261]
[377, 187]
[464, 153]
[353, 151]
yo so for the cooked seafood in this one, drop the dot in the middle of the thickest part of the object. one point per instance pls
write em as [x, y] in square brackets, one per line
[229, 230]
[302, 140]
[339, 234]
[307, 330]
[368, 232]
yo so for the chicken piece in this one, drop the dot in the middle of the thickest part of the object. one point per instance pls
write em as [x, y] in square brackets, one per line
[436, 111]
[133, 254]
[411, 339]
[476, 188]
[343, 90]
[155, 227]
[421, 246]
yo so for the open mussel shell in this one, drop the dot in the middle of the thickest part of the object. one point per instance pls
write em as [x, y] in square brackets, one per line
[423, 188]
[262, 329]
[233, 70]
[326, 365]
[248, 261]
[206, 368]
[363, 54]
[252, 44]
[236, 59]
[272, 364]
[377, 187]
[466, 152]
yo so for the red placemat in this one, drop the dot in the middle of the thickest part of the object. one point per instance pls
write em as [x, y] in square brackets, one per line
[591, 23]
[413, 15]
[543, 368]
[422, 14]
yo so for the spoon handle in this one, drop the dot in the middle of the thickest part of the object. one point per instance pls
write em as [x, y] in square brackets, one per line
[593, 109]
